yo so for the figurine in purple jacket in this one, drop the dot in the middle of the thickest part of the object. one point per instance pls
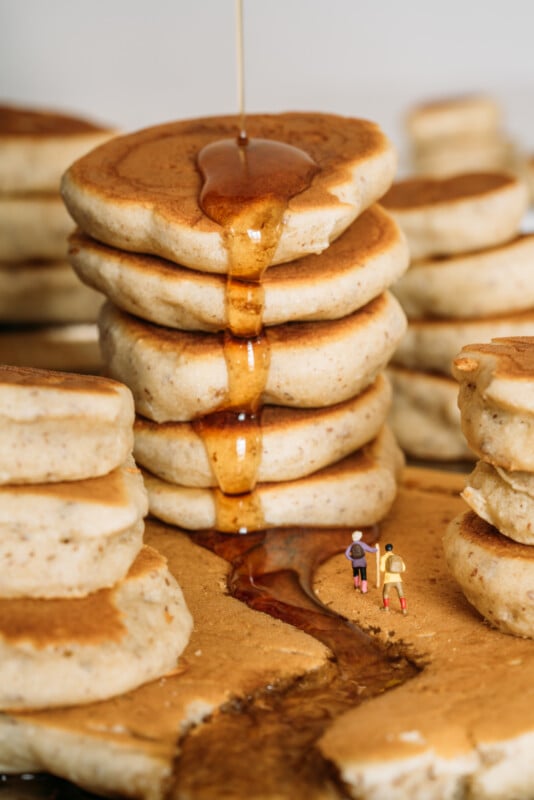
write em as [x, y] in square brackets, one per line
[355, 552]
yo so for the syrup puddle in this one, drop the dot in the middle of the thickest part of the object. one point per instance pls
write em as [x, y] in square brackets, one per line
[265, 746]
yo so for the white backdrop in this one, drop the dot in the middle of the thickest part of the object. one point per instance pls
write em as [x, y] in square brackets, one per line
[134, 63]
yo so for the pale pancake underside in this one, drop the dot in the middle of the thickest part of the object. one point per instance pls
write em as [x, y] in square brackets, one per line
[177, 376]
[355, 491]
[361, 264]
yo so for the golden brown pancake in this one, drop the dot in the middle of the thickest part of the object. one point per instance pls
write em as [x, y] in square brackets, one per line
[141, 192]
[458, 214]
[72, 347]
[37, 146]
[93, 647]
[178, 376]
[453, 116]
[358, 266]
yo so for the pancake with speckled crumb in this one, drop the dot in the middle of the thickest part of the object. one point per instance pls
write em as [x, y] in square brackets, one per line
[178, 376]
[141, 192]
[57, 426]
[432, 344]
[295, 442]
[459, 214]
[425, 417]
[361, 264]
[91, 648]
[496, 399]
[37, 145]
[355, 491]
[87, 533]
[503, 498]
[498, 280]
[45, 292]
[495, 573]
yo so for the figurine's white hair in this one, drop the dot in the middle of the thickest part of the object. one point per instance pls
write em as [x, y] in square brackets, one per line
[356, 536]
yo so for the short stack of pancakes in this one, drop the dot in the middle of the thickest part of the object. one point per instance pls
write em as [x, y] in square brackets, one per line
[324, 456]
[459, 134]
[47, 316]
[490, 548]
[86, 610]
[471, 277]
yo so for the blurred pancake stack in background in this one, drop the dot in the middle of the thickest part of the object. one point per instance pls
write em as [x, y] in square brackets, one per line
[47, 316]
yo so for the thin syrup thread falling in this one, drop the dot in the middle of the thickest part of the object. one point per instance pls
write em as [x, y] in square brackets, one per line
[242, 138]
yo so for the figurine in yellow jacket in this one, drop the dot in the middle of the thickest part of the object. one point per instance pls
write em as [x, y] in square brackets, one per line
[392, 566]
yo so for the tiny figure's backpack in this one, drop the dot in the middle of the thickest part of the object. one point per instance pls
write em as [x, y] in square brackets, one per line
[394, 563]
[357, 551]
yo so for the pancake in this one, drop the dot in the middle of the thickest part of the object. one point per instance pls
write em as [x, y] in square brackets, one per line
[457, 214]
[93, 647]
[58, 426]
[295, 442]
[356, 491]
[37, 146]
[432, 344]
[140, 192]
[498, 280]
[87, 533]
[453, 116]
[425, 417]
[71, 347]
[495, 573]
[460, 728]
[33, 226]
[503, 499]
[45, 292]
[177, 376]
[448, 156]
[128, 744]
[496, 399]
[357, 267]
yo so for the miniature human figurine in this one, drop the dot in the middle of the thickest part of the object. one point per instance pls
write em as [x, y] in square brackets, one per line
[355, 552]
[392, 566]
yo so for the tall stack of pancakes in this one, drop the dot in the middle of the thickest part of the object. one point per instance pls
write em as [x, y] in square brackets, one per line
[86, 611]
[459, 134]
[47, 315]
[310, 447]
[490, 548]
[471, 277]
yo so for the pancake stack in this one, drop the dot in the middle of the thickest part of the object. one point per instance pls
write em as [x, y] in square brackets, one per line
[260, 397]
[47, 316]
[86, 611]
[459, 134]
[471, 278]
[490, 548]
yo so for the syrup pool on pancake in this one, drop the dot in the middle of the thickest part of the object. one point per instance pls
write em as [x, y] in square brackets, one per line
[247, 185]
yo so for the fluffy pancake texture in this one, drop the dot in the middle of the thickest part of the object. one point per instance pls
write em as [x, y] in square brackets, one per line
[37, 146]
[498, 280]
[87, 533]
[453, 116]
[457, 214]
[503, 499]
[433, 344]
[45, 292]
[177, 376]
[355, 491]
[496, 400]
[91, 648]
[140, 192]
[495, 573]
[295, 442]
[33, 226]
[425, 417]
[361, 264]
[59, 426]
